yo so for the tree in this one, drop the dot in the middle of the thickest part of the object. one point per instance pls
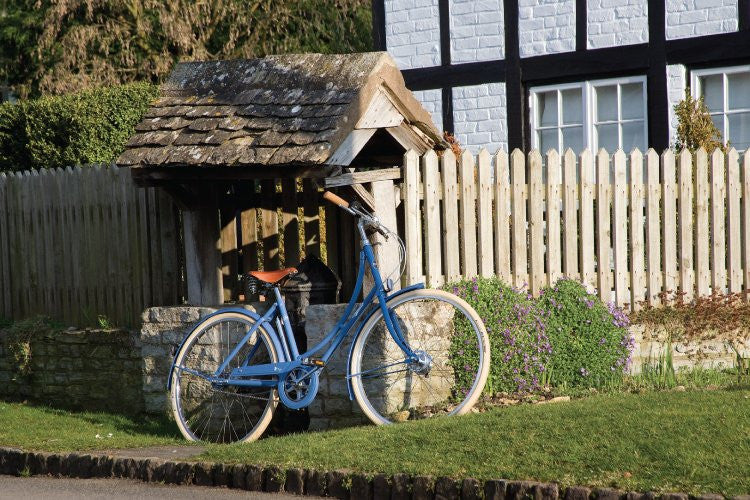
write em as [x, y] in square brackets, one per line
[53, 47]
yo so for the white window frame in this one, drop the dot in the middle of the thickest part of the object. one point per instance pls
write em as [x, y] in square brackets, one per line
[588, 111]
[696, 91]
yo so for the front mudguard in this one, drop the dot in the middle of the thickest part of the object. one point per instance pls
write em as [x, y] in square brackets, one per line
[267, 326]
[418, 286]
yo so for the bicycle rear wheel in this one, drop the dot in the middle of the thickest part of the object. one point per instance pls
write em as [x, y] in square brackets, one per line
[207, 409]
[451, 343]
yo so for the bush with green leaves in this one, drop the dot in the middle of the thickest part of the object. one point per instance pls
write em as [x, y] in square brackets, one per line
[590, 339]
[516, 326]
[566, 337]
[87, 127]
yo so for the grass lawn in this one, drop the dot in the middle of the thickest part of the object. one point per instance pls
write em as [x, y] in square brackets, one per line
[663, 441]
[45, 429]
[694, 441]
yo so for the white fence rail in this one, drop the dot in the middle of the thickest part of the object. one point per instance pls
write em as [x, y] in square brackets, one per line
[633, 226]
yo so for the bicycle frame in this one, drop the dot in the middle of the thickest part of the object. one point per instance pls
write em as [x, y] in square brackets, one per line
[284, 342]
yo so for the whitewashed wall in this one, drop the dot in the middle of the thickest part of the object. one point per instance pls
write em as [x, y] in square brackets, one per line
[546, 26]
[616, 22]
[432, 100]
[676, 83]
[686, 18]
[477, 30]
[479, 115]
[412, 32]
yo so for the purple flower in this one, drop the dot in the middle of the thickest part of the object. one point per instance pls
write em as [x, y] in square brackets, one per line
[584, 372]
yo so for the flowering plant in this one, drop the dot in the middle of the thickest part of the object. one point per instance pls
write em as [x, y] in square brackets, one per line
[590, 339]
[516, 326]
[565, 337]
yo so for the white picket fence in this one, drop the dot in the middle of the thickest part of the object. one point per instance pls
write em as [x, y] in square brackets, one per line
[632, 226]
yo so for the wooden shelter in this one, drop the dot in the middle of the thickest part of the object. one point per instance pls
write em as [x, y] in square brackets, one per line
[345, 120]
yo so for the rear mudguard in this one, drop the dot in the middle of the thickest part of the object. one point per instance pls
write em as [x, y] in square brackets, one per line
[418, 286]
[267, 326]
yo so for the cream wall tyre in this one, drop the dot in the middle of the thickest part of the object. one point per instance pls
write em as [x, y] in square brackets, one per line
[221, 413]
[451, 343]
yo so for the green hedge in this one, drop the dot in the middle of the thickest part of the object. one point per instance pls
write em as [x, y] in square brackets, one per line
[60, 131]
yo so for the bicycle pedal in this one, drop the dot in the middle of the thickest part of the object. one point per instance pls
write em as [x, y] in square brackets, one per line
[313, 362]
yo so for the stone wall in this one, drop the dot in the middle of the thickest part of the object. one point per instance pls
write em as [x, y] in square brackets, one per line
[162, 332]
[332, 408]
[97, 370]
[126, 372]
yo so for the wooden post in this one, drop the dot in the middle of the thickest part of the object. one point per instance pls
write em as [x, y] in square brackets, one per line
[203, 257]
[386, 252]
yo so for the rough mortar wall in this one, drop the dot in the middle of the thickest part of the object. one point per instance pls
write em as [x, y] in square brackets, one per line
[616, 22]
[412, 32]
[477, 30]
[546, 26]
[480, 117]
[686, 18]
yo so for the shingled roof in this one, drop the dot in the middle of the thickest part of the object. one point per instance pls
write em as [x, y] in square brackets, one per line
[278, 110]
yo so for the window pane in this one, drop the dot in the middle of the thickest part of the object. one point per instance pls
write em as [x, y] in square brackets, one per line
[571, 106]
[606, 103]
[632, 101]
[547, 140]
[633, 136]
[738, 88]
[713, 91]
[547, 103]
[719, 122]
[573, 139]
[607, 137]
[739, 130]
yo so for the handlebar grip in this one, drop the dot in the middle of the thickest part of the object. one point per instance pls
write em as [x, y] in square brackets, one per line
[335, 199]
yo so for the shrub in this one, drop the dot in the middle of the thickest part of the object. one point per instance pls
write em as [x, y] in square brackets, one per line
[87, 127]
[516, 327]
[590, 340]
[566, 337]
[695, 129]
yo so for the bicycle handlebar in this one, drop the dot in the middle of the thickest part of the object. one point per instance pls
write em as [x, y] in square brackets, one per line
[335, 199]
[356, 210]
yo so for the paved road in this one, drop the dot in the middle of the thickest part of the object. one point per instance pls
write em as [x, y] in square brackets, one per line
[117, 489]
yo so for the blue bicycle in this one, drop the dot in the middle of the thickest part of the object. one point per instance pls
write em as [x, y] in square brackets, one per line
[416, 353]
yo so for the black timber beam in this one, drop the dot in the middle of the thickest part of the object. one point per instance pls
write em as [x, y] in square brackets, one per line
[378, 25]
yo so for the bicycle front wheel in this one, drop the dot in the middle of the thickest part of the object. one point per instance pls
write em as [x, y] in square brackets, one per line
[205, 407]
[452, 347]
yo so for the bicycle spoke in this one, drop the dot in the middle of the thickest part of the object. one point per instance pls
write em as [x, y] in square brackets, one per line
[218, 412]
[430, 324]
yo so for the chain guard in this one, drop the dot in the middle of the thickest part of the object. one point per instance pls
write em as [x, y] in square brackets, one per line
[310, 389]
